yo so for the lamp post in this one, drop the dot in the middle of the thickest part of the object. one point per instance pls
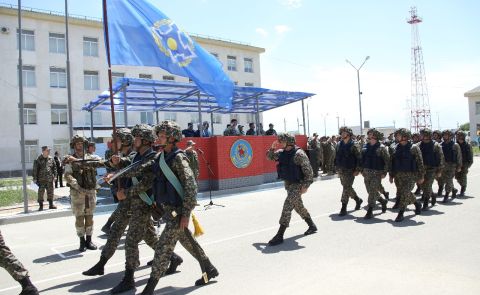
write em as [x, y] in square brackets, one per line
[359, 92]
[325, 123]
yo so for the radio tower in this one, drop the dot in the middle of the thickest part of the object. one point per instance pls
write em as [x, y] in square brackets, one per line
[420, 107]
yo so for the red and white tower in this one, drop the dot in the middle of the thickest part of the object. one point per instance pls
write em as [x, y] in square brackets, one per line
[420, 107]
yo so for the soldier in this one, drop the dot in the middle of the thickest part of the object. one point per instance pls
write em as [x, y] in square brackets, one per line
[433, 161]
[175, 191]
[348, 165]
[375, 164]
[467, 161]
[391, 151]
[82, 184]
[453, 163]
[270, 130]
[192, 156]
[295, 170]
[44, 173]
[15, 268]
[437, 137]
[328, 156]
[313, 152]
[407, 168]
[58, 164]
[232, 130]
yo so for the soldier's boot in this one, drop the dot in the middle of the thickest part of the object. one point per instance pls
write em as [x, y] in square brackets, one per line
[387, 195]
[440, 190]
[107, 226]
[400, 216]
[40, 206]
[210, 273]
[462, 191]
[50, 205]
[127, 283]
[89, 244]
[418, 208]
[445, 198]
[27, 287]
[397, 203]
[358, 202]
[417, 191]
[425, 204]
[150, 287]
[343, 211]
[312, 228]
[278, 238]
[454, 193]
[175, 261]
[384, 205]
[83, 246]
[434, 200]
[98, 269]
[369, 214]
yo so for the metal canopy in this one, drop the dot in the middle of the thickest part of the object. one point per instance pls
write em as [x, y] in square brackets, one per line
[168, 96]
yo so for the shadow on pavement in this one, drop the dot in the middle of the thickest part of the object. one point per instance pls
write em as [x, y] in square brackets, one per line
[407, 221]
[373, 220]
[432, 212]
[103, 284]
[336, 217]
[449, 203]
[289, 244]
[71, 254]
[170, 289]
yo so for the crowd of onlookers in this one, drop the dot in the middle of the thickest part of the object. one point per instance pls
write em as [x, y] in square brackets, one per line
[232, 129]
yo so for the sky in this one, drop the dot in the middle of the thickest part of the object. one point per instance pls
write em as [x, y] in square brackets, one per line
[307, 42]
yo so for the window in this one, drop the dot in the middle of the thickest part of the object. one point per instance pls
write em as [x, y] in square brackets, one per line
[62, 146]
[58, 78]
[194, 119]
[28, 76]
[170, 116]
[168, 78]
[116, 77]
[59, 114]
[28, 40]
[90, 46]
[477, 108]
[90, 80]
[120, 118]
[56, 43]
[97, 119]
[248, 63]
[31, 150]
[234, 116]
[146, 118]
[217, 119]
[29, 113]
[232, 63]
[248, 84]
[145, 76]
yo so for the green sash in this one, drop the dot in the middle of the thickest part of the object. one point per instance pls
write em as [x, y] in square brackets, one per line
[143, 195]
[170, 176]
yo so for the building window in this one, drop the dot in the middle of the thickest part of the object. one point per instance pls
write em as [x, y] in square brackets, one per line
[248, 62]
[58, 78]
[29, 113]
[477, 108]
[120, 118]
[28, 40]
[145, 76]
[171, 116]
[248, 84]
[90, 80]
[232, 63]
[146, 118]
[90, 46]
[116, 77]
[168, 78]
[28, 76]
[97, 119]
[56, 43]
[194, 119]
[59, 114]
[217, 119]
[31, 150]
[234, 116]
[62, 146]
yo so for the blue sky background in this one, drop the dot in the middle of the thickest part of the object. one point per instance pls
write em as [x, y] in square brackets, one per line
[307, 42]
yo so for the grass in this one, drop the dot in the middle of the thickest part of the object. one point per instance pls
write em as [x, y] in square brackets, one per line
[476, 150]
[15, 196]
[14, 181]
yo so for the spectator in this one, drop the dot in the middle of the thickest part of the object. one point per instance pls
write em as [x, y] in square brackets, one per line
[189, 132]
[270, 130]
[206, 132]
[260, 129]
[58, 163]
[251, 130]
[233, 131]
[225, 132]
[240, 130]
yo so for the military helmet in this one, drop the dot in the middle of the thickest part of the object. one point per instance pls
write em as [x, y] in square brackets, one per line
[144, 131]
[426, 132]
[404, 132]
[171, 129]
[286, 137]
[461, 133]
[448, 132]
[125, 136]
[375, 133]
[438, 132]
[77, 138]
[346, 129]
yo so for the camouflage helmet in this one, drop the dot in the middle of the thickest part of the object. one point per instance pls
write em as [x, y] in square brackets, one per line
[144, 131]
[286, 137]
[171, 129]
[461, 134]
[404, 132]
[125, 136]
[438, 132]
[426, 132]
[448, 132]
[77, 138]
[375, 133]
[346, 129]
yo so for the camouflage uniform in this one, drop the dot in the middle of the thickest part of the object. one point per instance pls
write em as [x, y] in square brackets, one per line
[328, 151]
[192, 157]
[314, 154]
[10, 263]
[44, 173]
[446, 180]
[467, 161]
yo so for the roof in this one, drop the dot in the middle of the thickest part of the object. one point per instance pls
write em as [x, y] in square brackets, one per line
[169, 96]
[473, 92]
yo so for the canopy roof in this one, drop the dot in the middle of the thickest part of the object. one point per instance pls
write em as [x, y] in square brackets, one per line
[168, 96]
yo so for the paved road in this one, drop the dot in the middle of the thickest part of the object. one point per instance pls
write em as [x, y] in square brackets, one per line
[435, 253]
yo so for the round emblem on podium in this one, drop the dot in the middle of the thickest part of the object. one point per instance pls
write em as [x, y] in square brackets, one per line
[241, 153]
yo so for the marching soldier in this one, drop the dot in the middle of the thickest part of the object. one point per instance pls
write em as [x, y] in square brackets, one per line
[348, 161]
[295, 170]
[437, 137]
[467, 161]
[453, 163]
[314, 154]
[44, 173]
[434, 162]
[407, 168]
[82, 184]
[375, 164]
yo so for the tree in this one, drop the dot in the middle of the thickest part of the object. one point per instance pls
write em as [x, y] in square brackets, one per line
[465, 127]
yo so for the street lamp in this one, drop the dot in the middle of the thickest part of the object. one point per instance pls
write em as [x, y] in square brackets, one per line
[325, 122]
[359, 92]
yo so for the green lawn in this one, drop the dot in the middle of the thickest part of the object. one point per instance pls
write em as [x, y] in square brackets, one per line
[14, 181]
[12, 197]
[476, 150]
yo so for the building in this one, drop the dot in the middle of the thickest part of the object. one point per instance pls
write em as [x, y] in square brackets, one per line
[45, 90]
[474, 113]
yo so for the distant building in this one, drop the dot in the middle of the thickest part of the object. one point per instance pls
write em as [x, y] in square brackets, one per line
[474, 113]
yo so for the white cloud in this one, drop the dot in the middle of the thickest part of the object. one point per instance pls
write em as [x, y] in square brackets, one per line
[262, 32]
[292, 4]
[282, 29]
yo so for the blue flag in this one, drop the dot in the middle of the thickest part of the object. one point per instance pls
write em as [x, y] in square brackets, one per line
[141, 35]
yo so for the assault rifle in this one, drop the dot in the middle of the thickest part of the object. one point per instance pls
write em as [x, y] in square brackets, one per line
[131, 167]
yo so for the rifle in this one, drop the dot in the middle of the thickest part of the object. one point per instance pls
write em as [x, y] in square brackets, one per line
[131, 167]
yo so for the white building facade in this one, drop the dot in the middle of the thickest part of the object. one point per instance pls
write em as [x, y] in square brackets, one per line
[45, 82]
[474, 113]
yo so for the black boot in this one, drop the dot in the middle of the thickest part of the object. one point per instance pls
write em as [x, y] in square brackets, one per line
[400, 216]
[89, 244]
[434, 200]
[127, 283]
[418, 207]
[369, 214]
[50, 205]
[210, 273]
[27, 287]
[278, 238]
[387, 195]
[358, 202]
[106, 227]
[83, 246]
[384, 205]
[417, 191]
[343, 211]
[425, 204]
[440, 190]
[445, 198]
[150, 287]
[97, 269]
[175, 261]
[40, 206]
[397, 203]
[462, 191]
[454, 193]
[312, 228]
